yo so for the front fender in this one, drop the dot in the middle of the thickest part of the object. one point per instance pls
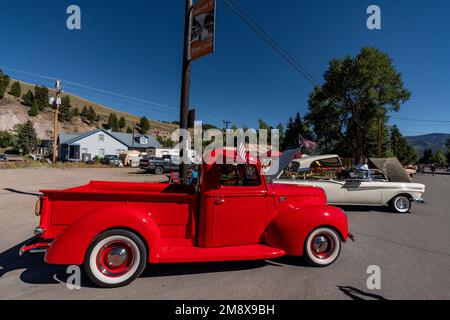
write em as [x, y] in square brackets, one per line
[71, 245]
[289, 230]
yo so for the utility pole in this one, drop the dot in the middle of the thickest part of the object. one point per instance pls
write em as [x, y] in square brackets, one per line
[226, 123]
[56, 102]
[379, 137]
[185, 88]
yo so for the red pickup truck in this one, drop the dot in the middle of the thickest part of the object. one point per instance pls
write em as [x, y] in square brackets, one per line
[115, 228]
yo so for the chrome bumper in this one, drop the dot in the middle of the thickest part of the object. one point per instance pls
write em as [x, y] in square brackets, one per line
[35, 245]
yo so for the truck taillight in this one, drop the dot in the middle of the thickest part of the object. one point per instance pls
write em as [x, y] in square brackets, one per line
[38, 207]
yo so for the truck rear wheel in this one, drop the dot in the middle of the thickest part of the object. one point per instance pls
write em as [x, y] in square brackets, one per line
[115, 258]
[159, 170]
[322, 247]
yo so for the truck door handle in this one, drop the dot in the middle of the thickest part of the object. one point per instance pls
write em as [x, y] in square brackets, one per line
[220, 200]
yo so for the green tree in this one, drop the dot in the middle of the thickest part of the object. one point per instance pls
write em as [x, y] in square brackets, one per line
[65, 113]
[122, 122]
[144, 125]
[41, 96]
[6, 139]
[405, 153]
[4, 83]
[26, 137]
[113, 122]
[357, 90]
[281, 135]
[75, 112]
[129, 130]
[296, 128]
[34, 110]
[166, 142]
[427, 157]
[16, 89]
[440, 157]
[91, 115]
[447, 144]
[28, 98]
[85, 112]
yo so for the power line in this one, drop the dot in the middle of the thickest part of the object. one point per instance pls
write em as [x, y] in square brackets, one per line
[251, 22]
[258, 29]
[421, 120]
[103, 92]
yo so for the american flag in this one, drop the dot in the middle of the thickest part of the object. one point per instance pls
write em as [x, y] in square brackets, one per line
[310, 145]
[241, 152]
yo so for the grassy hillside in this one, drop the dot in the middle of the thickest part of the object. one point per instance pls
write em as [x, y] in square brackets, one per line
[13, 112]
[433, 141]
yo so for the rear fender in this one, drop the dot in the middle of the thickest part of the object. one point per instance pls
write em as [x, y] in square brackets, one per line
[289, 230]
[71, 245]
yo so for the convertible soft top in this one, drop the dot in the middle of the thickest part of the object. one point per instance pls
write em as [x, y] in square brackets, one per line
[392, 168]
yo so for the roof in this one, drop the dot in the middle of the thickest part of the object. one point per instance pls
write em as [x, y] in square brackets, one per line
[124, 138]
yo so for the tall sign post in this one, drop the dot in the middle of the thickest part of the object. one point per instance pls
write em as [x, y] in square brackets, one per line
[199, 30]
[56, 102]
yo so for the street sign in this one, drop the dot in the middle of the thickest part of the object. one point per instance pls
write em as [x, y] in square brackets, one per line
[203, 28]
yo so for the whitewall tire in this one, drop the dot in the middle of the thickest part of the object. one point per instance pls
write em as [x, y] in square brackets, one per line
[115, 258]
[322, 247]
[401, 204]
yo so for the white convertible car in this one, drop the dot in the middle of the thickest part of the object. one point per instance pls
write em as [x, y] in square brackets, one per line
[389, 184]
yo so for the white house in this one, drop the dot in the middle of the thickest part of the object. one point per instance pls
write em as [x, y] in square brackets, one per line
[72, 147]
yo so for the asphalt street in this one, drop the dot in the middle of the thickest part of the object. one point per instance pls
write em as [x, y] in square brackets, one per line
[412, 251]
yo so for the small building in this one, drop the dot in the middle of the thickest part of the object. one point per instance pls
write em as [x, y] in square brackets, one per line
[101, 142]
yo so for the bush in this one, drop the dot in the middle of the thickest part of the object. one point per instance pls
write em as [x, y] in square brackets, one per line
[16, 89]
[6, 139]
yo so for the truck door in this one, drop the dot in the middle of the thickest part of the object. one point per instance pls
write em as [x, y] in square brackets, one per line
[239, 206]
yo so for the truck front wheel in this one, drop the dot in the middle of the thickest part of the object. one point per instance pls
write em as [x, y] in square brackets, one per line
[322, 247]
[159, 170]
[115, 258]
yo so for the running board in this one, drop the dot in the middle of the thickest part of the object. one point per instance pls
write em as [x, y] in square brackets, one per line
[195, 254]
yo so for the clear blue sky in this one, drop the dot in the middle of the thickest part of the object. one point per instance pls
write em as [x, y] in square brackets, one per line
[134, 48]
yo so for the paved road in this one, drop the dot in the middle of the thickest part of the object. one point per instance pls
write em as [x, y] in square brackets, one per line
[413, 252]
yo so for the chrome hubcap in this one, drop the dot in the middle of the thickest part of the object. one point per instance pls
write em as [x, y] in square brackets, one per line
[402, 204]
[116, 257]
[320, 244]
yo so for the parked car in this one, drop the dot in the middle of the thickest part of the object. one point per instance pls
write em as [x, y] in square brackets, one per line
[3, 158]
[389, 184]
[112, 160]
[155, 165]
[115, 228]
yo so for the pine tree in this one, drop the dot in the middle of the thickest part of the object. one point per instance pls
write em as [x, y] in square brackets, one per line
[64, 110]
[85, 112]
[144, 125]
[34, 110]
[129, 130]
[4, 83]
[122, 122]
[41, 96]
[26, 137]
[16, 89]
[92, 116]
[113, 122]
[75, 112]
[28, 98]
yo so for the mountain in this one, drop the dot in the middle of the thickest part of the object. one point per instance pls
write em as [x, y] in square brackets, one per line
[433, 141]
[12, 112]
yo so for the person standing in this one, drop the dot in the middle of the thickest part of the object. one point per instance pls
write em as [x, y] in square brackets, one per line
[433, 169]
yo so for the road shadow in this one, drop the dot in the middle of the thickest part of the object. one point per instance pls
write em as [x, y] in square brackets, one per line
[356, 294]
[36, 271]
[368, 209]
[22, 192]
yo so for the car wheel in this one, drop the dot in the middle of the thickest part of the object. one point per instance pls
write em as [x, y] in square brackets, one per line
[115, 258]
[159, 170]
[322, 247]
[401, 204]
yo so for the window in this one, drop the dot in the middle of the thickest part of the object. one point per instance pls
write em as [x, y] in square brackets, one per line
[239, 176]
[101, 138]
[101, 152]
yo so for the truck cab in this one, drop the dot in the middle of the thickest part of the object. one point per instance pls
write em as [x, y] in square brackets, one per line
[114, 229]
